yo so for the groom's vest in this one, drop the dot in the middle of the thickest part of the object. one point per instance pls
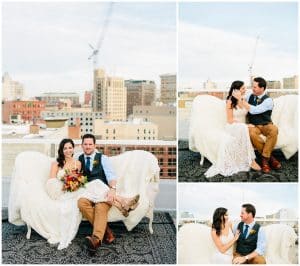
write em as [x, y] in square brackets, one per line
[97, 170]
[248, 245]
[259, 119]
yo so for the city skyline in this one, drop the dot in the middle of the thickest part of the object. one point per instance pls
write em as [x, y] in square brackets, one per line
[140, 43]
[267, 199]
[218, 41]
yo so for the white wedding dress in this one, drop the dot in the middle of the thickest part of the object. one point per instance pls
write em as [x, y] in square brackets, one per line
[235, 153]
[224, 258]
[70, 216]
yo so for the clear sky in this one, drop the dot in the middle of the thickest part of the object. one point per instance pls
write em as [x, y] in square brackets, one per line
[45, 45]
[217, 41]
[202, 199]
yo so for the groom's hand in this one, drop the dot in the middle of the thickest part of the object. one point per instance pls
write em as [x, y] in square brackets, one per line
[237, 94]
[239, 260]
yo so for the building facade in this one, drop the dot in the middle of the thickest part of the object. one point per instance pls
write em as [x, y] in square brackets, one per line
[11, 90]
[291, 82]
[55, 98]
[168, 88]
[139, 92]
[88, 98]
[28, 110]
[209, 85]
[84, 116]
[163, 116]
[109, 96]
[273, 84]
[132, 130]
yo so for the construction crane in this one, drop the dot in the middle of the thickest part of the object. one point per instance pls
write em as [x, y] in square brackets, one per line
[252, 61]
[95, 52]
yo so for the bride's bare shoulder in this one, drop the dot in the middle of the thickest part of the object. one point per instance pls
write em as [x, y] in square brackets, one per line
[228, 103]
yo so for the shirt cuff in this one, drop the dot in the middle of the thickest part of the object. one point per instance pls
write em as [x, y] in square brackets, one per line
[259, 252]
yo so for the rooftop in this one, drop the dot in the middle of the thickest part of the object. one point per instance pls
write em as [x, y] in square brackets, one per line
[190, 170]
[135, 247]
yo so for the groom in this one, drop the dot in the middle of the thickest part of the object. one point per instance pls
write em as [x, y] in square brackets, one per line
[260, 106]
[251, 243]
[97, 166]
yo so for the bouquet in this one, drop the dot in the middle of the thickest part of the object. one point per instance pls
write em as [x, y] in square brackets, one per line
[73, 180]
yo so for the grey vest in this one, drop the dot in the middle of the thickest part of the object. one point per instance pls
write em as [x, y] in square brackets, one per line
[97, 170]
[259, 119]
[247, 245]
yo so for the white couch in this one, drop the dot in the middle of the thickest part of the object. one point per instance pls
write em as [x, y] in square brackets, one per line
[138, 173]
[195, 245]
[208, 120]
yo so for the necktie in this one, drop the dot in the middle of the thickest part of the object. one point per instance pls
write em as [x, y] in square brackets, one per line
[245, 231]
[88, 163]
[255, 100]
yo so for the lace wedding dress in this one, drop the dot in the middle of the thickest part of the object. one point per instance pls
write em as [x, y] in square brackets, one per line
[224, 258]
[70, 216]
[235, 153]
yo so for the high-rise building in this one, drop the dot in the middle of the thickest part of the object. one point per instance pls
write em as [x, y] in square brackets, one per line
[109, 96]
[54, 98]
[11, 90]
[168, 88]
[139, 92]
[291, 82]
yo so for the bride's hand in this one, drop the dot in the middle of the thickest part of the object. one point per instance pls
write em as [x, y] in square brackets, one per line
[237, 235]
[250, 125]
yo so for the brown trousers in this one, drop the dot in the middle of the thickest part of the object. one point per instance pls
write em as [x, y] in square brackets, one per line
[265, 148]
[256, 260]
[96, 213]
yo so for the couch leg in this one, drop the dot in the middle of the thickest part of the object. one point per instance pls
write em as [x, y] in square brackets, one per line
[202, 160]
[150, 216]
[28, 232]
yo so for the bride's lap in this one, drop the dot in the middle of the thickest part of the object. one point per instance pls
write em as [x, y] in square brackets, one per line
[219, 258]
[234, 128]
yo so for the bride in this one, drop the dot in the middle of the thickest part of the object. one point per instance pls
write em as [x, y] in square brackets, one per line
[223, 237]
[95, 191]
[236, 152]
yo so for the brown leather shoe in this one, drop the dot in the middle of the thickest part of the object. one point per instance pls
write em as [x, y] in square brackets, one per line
[108, 236]
[265, 167]
[92, 243]
[274, 163]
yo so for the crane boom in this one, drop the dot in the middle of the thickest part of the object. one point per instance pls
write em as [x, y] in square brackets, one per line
[253, 59]
[95, 52]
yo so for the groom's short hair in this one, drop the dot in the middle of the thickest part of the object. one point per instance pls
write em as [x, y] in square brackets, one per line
[88, 136]
[261, 82]
[249, 208]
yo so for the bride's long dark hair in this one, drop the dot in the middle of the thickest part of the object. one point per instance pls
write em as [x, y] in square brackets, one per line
[219, 220]
[61, 157]
[236, 85]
